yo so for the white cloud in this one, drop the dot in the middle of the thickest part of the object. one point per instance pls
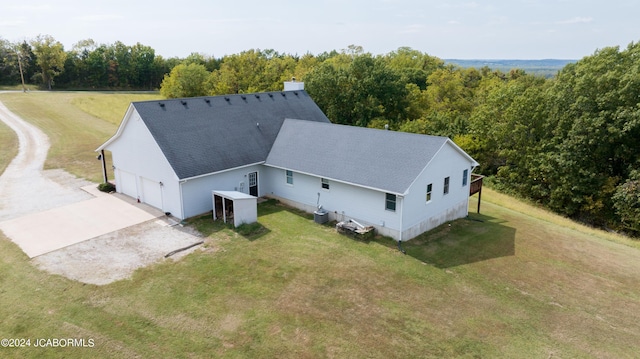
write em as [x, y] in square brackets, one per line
[575, 20]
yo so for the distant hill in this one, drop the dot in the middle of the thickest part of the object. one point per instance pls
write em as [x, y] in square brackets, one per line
[547, 68]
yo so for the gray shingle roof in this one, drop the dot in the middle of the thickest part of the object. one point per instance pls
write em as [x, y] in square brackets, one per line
[202, 135]
[384, 160]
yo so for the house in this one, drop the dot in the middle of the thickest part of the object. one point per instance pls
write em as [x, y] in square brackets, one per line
[173, 154]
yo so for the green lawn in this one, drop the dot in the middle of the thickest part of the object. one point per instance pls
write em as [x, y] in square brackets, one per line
[514, 281]
[509, 286]
[9, 147]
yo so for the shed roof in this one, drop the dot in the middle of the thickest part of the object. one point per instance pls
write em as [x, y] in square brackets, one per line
[384, 160]
[233, 195]
[204, 135]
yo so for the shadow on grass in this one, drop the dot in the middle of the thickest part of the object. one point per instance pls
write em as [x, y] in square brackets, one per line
[251, 231]
[473, 239]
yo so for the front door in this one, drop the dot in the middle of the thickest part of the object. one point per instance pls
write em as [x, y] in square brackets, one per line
[253, 184]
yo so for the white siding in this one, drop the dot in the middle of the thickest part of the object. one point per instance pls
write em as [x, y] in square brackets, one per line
[196, 193]
[420, 216]
[140, 166]
[343, 201]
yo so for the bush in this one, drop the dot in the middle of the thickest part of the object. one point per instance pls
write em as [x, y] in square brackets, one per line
[107, 187]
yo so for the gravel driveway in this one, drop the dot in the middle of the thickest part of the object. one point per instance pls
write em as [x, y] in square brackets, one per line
[26, 188]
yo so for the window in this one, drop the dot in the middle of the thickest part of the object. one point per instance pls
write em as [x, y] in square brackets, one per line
[325, 183]
[289, 177]
[390, 202]
[429, 189]
[446, 185]
[465, 174]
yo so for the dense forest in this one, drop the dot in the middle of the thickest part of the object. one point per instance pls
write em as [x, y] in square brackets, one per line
[570, 142]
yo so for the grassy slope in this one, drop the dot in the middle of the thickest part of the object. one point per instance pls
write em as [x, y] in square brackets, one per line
[511, 286]
[69, 119]
[9, 147]
[523, 283]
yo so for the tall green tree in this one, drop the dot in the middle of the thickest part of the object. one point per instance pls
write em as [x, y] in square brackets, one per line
[596, 116]
[9, 69]
[50, 58]
[185, 81]
[358, 89]
[626, 201]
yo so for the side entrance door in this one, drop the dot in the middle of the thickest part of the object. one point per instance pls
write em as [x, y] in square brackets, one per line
[253, 184]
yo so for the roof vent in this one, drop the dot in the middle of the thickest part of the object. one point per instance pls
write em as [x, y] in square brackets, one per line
[227, 99]
[183, 102]
[271, 95]
[295, 93]
[257, 96]
[243, 97]
[161, 104]
[207, 100]
[283, 95]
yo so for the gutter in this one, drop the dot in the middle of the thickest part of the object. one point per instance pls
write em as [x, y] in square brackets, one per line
[183, 180]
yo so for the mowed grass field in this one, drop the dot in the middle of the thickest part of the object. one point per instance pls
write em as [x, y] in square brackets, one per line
[512, 282]
[8, 146]
[76, 123]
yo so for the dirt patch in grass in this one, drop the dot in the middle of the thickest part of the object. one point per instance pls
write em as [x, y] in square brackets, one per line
[115, 256]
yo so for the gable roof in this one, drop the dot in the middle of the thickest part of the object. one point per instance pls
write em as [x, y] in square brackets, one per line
[204, 135]
[389, 161]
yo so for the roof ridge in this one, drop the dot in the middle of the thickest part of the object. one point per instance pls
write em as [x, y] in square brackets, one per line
[267, 93]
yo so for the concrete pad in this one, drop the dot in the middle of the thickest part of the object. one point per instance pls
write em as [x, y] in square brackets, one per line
[47, 231]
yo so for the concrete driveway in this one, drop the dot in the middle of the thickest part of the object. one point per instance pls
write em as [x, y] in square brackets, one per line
[70, 228]
[43, 232]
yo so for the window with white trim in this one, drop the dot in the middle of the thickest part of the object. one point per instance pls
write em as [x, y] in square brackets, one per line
[325, 183]
[446, 185]
[289, 177]
[390, 202]
[429, 190]
[465, 174]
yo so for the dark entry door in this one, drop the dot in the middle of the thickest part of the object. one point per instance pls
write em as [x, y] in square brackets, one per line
[253, 184]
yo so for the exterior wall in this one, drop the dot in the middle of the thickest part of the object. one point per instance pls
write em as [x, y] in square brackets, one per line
[196, 192]
[135, 153]
[245, 211]
[341, 200]
[419, 215]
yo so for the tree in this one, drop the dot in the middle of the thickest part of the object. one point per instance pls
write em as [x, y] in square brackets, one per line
[627, 202]
[596, 125]
[50, 57]
[413, 65]
[9, 69]
[185, 81]
[358, 89]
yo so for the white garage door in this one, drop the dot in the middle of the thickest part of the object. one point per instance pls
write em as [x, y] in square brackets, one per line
[127, 183]
[151, 193]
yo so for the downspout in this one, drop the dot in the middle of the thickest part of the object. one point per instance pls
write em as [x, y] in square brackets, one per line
[181, 200]
[401, 218]
[401, 227]
[104, 166]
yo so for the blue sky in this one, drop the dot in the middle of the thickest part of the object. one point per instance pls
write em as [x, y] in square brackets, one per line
[491, 29]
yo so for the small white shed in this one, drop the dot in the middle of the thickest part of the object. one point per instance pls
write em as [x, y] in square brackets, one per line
[235, 206]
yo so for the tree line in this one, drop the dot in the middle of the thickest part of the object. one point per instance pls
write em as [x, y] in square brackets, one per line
[569, 143]
[44, 62]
